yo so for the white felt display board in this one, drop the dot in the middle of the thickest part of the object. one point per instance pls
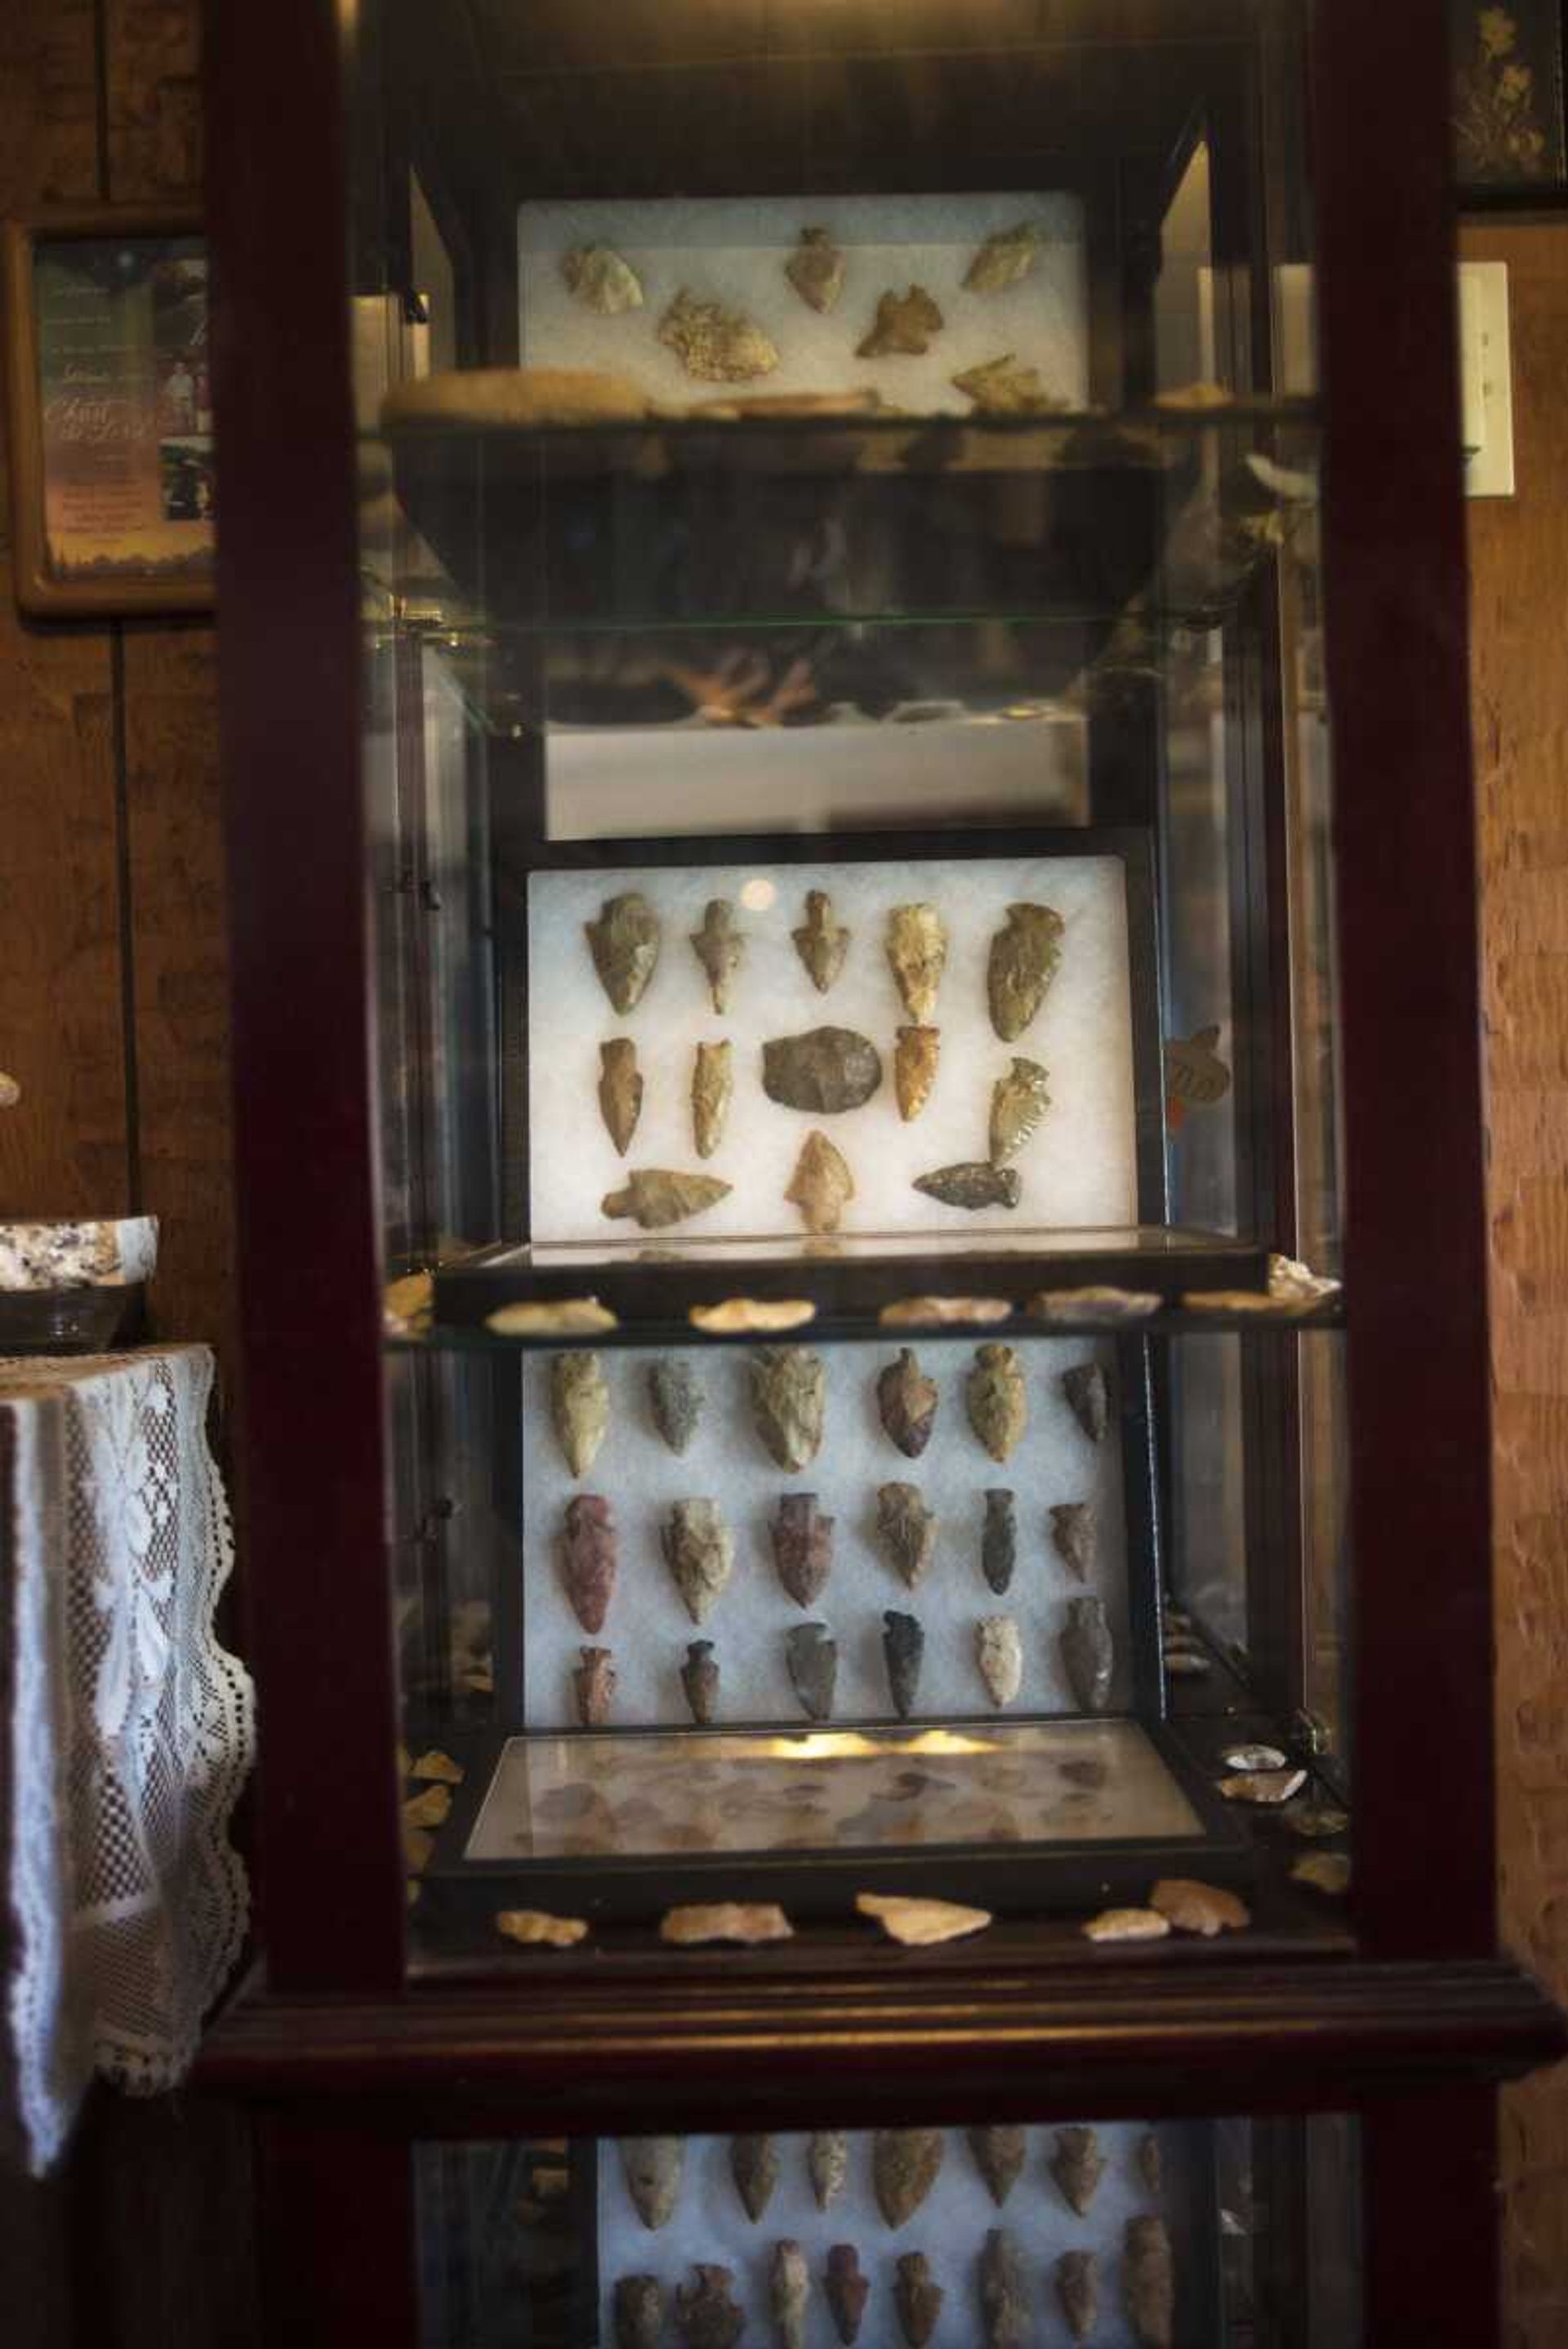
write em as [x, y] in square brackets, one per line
[709, 2224]
[733, 252]
[1079, 1169]
[648, 1628]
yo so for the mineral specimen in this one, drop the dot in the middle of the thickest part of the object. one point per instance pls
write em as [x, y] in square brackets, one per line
[588, 1552]
[1073, 1533]
[620, 1090]
[827, 2165]
[1078, 2290]
[1018, 1101]
[904, 1651]
[639, 2312]
[816, 269]
[905, 2164]
[1003, 2308]
[789, 1401]
[1149, 2283]
[599, 276]
[1078, 2166]
[653, 1197]
[716, 345]
[907, 1401]
[749, 1922]
[997, 1407]
[1002, 387]
[917, 2300]
[910, 1311]
[917, 955]
[903, 326]
[998, 2156]
[802, 1547]
[999, 1652]
[754, 2165]
[579, 1408]
[625, 942]
[1089, 1399]
[1023, 963]
[536, 1929]
[1150, 2164]
[652, 2166]
[699, 1679]
[914, 1061]
[705, 2315]
[973, 1184]
[699, 1551]
[907, 1529]
[676, 1401]
[1086, 1653]
[1264, 1788]
[738, 1314]
[821, 943]
[1004, 257]
[1195, 1908]
[593, 1686]
[720, 949]
[789, 2288]
[999, 1542]
[1127, 1925]
[826, 1071]
[920, 1924]
[848, 2291]
[812, 1656]
[712, 1085]
[821, 1184]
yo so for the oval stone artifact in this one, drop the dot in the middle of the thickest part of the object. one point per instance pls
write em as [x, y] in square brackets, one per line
[824, 1071]
[1022, 965]
[624, 943]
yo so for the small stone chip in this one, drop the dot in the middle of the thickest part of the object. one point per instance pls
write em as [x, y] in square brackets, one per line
[537, 1928]
[726, 1920]
[1127, 1925]
[1195, 1908]
[919, 1924]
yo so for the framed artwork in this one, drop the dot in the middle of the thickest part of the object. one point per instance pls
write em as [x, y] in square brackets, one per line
[1506, 64]
[107, 383]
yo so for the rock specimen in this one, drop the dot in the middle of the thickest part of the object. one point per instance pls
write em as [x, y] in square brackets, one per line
[1023, 962]
[1074, 1535]
[712, 1087]
[998, 2155]
[619, 1090]
[705, 2315]
[1078, 2166]
[1325, 1871]
[1149, 2283]
[657, 1196]
[999, 1542]
[716, 345]
[699, 1679]
[824, 1070]
[907, 1399]
[910, 1313]
[652, 2166]
[907, 1530]
[675, 1399]
[999, 1652]
[593, 1686]
[904, 1653]
[588, 1552]
[1005, 256]
[812, 1656]
[789, 2288]
[1094, 1304]
[536, 1929]
[903, 327]
[754, 2165]
[1195, 1908]
[579, 1408]
[905, 2164]
[917, 955]
[624, 943]
[556, 1317]
[749, 1922]
[1078, 2290]
[1086, 1653]
[1127, 1925]
[789, 1401]
[848, 2291]
[820, 942]
[914, 1063]
[802, 1547]
[699, 1551]
[639, 2312]
[998, 1409]
[599, 276]
[816, 269]
[827, 2165]
[1150, 2164]
[738, 1314]
[821, 1184]
[720, 949]
[1266, 1788]
[1088, 1397]
[922, 1924]
[1018, 1101]
[917, 2300]
[1004, 386]
[972, 1183]
[1004, 2306]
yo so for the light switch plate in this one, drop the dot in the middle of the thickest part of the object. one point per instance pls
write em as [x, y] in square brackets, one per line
[1485, 378]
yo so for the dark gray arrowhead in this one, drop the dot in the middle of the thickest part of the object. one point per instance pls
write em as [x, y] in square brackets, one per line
[903, 1650]
[999, 1542]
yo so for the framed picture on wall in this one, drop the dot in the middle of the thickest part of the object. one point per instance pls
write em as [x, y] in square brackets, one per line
[1510, 145]
[110, 413]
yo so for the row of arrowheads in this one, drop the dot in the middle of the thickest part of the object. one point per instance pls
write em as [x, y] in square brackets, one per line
[825, 1071]
[905, 2165]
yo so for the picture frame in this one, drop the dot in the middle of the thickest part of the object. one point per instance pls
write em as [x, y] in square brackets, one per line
[109, 411]
[1509, 110]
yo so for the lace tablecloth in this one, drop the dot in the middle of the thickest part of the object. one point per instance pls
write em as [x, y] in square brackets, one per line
[127, 1730]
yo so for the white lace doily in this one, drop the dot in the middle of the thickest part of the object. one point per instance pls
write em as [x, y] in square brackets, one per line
[131, 1728]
